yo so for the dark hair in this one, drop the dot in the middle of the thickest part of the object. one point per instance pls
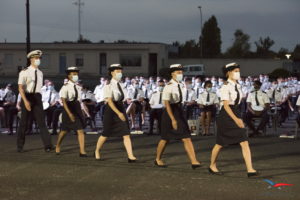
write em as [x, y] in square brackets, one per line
[206, 83]
[258, 83]
[161, 81]
[188, 79]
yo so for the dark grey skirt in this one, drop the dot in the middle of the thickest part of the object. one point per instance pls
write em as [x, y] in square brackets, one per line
[227, 130]
[167, 131]
[79, 123]
[113, 126]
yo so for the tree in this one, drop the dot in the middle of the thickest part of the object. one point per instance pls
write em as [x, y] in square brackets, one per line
[189, 50]
[263, 47]
[211, 38]
[296, 53]
[279, 72]
[240, 47]
[282, 52]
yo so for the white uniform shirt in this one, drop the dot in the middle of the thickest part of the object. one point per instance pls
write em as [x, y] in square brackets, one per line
[88, 95]
[147, 91]
[135, 92]
[51, 95]
[228, 93]
[98, 92]
[112, 91]
[27, 79]
[154, 101]
[68, 92]
[298, 101]
[262, 98]
[213, 99]
[280, 94]
[171, 92]
[188, 95]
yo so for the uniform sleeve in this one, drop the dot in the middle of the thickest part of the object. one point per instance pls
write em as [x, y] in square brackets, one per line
[194, 96]
[200, 101]
[298, 101]
[216, 100]
[224, 93]
[151, 102]
[63, 93]
[167, 92]
[107, 92]
[266, 98]
[22, 80]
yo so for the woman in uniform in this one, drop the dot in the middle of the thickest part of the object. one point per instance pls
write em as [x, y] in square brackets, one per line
[72, 117]
[207, 101]
[174, 124]
[115, 121]
[230, 127]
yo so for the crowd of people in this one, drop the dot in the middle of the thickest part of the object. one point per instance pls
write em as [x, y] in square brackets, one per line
[200, 99]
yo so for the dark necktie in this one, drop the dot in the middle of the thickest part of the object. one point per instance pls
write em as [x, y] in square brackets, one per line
[76, 93]
[49, 100]
[256, 99]
[197, 93]
[180, 94]
[135, 94]
[160, 95]
[35, 80]
[187, 95]
[237, 96]
[121, 91]
[273, 95]
[208, 97]
[146, 94]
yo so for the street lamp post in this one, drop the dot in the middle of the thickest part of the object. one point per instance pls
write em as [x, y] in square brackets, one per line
[200, 39]
[27, 27]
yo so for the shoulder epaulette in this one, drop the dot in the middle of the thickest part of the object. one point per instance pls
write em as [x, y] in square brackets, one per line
[225, 82]
[169, 83]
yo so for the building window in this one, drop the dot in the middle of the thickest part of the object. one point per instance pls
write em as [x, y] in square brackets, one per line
[8, 60]
[131, 60]
[45, 62]
[79, 61]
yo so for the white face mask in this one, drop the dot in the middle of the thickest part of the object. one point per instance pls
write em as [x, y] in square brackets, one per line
[179, 77]
[118, 76]
[37, 62]
[75, 78]
[236, 76]
[160, 89]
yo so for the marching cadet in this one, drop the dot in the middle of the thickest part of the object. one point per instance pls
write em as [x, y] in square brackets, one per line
[156, 106]
[30, 83]
[230, 126]
[174, 124]
[72, 117]
[207, 101]
[258, 104]
[189, 98]
[115, 122]
[98, 92]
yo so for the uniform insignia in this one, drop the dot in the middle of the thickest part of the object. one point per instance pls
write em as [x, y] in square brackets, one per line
[225, 82]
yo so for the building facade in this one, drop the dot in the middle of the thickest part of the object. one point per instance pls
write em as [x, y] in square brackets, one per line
[93, 59]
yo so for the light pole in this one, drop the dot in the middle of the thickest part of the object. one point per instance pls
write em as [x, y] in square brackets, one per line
[27, 27]
[200, 39]
[79, 4]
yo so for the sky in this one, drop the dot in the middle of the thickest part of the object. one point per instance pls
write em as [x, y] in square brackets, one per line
[163, 21]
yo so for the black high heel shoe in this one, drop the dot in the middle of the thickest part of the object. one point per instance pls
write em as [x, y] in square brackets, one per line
[214, 173]
[83, 155]
[196, 166]
[132, 161]
[251, 174]
[162, 166]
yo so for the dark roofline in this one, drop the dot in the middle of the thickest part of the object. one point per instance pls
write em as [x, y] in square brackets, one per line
[99, 43]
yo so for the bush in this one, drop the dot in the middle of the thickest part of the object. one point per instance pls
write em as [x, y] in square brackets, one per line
[279, 72]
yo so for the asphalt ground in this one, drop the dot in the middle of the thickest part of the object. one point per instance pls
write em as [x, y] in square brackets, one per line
[35, 174]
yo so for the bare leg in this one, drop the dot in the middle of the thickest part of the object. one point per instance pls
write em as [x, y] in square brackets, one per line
[189, 148]
[202, 121]
[214, 155]
[60, 138]
[160, 150]
[101, 141]
[80, 135]
[208, 121]
[247, 156]
[128, 147]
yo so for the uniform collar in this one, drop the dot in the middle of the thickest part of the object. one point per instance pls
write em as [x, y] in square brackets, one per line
[32, 68]
[114, 81]
[71, 83]
[231, 82]
[173, 81]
